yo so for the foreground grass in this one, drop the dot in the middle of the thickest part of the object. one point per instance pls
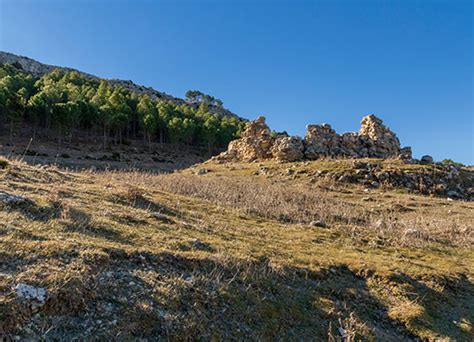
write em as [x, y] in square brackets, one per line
[230, 255]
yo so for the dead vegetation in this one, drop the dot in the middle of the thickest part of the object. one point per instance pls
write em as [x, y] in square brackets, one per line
[231, 255]
[367, 216]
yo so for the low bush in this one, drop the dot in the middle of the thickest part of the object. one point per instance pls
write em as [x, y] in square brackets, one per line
[4, 163]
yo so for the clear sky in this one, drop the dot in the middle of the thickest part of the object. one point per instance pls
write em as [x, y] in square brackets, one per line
[296, 62]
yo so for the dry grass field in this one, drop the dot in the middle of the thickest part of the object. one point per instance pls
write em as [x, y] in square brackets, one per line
[243, 252]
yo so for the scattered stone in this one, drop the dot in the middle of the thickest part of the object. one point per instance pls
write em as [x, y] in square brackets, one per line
[263, 170]
[318, 223]
[375, 184]
[29, 292]
[202, 171]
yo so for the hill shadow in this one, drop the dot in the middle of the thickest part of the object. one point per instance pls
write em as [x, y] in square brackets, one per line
[187, 297]
[253, 300]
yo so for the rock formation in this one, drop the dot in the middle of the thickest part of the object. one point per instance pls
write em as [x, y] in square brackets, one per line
[373, 140]
[321, 140]
[255, 144]
[382, 142]
[288, 149]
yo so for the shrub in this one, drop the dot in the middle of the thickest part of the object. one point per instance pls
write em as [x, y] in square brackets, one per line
[4, 163]
[451, 162]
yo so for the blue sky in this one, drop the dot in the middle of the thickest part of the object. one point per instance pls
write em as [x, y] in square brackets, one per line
[296, 62]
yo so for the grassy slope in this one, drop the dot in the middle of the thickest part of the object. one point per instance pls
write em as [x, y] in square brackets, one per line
[114, 269]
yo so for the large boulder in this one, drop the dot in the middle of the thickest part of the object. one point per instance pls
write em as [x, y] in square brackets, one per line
[288, 149]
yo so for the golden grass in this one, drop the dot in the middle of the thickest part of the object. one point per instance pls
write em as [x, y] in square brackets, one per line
[230, 255]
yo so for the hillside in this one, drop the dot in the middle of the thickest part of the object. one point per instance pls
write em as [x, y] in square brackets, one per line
[128, 214]
[234, 251]
[49, 113]
[39, 69]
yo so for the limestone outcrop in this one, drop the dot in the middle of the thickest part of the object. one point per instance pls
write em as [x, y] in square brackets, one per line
[255, 143]
[382, 142]
[321, 140]
[374, 140]
[288, 149]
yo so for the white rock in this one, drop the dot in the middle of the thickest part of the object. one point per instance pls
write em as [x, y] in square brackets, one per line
[342, 331]
[202, 171]
[30, 292]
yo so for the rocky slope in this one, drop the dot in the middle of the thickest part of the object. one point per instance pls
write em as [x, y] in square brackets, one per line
[374, 141]
[38, 69]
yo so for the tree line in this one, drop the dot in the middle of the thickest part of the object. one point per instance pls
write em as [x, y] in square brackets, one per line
[68, 102]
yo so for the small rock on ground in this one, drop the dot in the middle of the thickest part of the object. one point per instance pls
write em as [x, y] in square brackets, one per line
[318, 223]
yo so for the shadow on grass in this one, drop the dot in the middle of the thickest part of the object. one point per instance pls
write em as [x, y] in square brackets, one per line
[136, 199]
[448, 311]
[183, 297]
[33, 211]
[252, 300]
[141, 202]
[82, 223]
